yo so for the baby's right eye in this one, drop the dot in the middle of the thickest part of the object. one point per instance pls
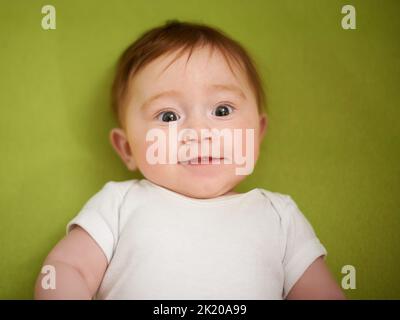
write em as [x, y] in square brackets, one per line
[167, 116]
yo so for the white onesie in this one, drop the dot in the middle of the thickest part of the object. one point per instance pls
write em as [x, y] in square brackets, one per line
[164, 245]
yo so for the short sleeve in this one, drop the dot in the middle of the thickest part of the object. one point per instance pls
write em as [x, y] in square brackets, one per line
[99, 218]
[302, 247]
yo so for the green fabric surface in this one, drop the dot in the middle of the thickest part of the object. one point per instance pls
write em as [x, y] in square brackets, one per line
[333, 142]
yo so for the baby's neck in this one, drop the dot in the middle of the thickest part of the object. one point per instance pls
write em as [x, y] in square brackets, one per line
[230, 193]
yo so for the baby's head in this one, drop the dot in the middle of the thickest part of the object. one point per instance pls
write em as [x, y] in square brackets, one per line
[192, 80]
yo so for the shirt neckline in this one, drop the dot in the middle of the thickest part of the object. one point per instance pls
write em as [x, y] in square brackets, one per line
[204, 202]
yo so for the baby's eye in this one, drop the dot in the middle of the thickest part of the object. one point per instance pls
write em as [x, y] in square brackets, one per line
[223, 110]
[167, 116]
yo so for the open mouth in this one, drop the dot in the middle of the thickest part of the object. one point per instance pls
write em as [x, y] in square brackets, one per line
[202, 161]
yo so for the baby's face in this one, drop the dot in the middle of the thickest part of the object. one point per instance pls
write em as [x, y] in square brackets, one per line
[200, 95]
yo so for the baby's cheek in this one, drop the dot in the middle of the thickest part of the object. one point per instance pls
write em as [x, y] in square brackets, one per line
[245, 140]
[139, 149]
[154, 157]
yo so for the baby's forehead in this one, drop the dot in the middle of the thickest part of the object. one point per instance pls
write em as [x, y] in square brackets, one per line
[201, 66]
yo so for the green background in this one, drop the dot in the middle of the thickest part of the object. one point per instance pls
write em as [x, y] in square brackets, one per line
[333, 142]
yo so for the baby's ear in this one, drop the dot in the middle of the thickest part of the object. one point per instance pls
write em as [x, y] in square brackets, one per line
[263, 125]
[121, 145]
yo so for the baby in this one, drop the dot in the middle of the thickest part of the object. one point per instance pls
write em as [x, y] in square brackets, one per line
[189, 102]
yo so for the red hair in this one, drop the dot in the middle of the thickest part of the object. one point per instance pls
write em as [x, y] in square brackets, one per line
[182, 37]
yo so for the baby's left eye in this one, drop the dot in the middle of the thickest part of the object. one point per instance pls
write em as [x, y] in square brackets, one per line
[223, 110]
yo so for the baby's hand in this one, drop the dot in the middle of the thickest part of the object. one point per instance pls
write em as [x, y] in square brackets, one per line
[79, 265]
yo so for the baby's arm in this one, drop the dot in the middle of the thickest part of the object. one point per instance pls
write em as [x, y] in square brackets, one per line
[316, 283]
[79, 264]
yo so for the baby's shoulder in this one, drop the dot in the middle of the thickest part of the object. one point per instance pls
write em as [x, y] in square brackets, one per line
[282, 204]
[277, 199]
[113, 191]
[121, 187]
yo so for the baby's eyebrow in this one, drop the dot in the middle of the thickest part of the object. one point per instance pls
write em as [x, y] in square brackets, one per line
[213, 87]
[167, 93]
[227, 87]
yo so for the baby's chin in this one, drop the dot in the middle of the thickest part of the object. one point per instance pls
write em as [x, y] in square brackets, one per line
[199, 187]
[200, 182]
[200, 191]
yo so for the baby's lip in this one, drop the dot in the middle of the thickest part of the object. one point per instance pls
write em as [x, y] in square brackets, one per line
[203, 160]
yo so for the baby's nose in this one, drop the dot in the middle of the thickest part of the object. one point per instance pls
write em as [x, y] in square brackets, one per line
[197, 130]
